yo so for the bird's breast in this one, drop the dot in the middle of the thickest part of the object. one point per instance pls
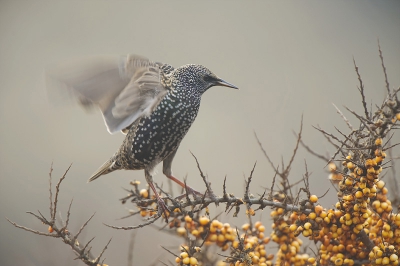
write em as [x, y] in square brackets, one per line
[159, 134]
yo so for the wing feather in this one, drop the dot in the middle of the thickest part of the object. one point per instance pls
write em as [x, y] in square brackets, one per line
[125, 88]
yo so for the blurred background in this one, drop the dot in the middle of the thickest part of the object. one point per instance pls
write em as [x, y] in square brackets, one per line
[289, 58]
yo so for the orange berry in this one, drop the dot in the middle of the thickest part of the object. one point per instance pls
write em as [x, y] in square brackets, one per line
[293, 227]
[266, 240]
[257, 224]
[195, 233]
[50, 229]
[359, 194]
[350, 165]
[245, 227]
[318, 209]
[250, 211]
[378, 142]
[188, 219]
[203, 220]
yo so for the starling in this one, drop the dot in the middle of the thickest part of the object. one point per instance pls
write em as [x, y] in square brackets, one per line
[152, 103]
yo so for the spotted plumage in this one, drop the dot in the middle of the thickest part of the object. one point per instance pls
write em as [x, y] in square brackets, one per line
[152, 103]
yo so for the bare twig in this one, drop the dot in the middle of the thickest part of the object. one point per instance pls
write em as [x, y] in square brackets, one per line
[384, 69]
[63, 232]
[361, 89]
[53, 215]
[344, 118]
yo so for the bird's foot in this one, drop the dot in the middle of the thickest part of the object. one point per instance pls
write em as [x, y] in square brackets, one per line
[189, 191]
[162, 209]
[161, 206]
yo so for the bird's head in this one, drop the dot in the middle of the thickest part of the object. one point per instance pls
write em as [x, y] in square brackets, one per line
[199, 78]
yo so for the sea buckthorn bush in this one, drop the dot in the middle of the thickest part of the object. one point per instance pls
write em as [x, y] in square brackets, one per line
[361, 227]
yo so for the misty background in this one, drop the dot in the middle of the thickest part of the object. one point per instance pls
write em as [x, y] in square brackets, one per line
[289, 58]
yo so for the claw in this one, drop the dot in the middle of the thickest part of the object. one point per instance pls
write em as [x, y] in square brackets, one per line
[190, 190]
[162, 209]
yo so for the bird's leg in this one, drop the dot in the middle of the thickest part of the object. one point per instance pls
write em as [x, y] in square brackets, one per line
[167, 163]
[189, 189]
[162, 208]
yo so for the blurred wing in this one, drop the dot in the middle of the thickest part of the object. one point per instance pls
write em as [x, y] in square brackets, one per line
[125, 88]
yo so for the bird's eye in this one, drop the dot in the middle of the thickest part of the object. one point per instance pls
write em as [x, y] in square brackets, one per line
[209, 79]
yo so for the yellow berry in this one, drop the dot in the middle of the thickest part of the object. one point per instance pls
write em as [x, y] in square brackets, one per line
[255, 259]
[251, 212]
[188, 219]
[378, 142]
[318, 209]
[348, 182]
[380, 184]
[245, 227]
[195, 233]
[181, 231]
[339, 261]
[257, 224]
[385, 261]
[332, 167]
[359, 194]
[307, 225]
[221, 238]
[193, 261]
[184, 255]
[144, 193]
[312, 215]
[186, 260]
[350, 165]
[212, 237]
[293, 227]
[203, 220]
[313, 198]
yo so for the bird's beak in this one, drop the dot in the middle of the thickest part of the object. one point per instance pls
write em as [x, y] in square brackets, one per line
[222, 82]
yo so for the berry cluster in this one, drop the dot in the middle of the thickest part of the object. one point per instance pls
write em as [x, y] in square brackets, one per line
[284, 233]
[246, 249]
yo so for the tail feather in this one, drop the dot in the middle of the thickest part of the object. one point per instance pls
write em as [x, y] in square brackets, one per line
[104, 169]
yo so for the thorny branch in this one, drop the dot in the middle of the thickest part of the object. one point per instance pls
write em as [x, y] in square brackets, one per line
[356, 147]
[82, 252]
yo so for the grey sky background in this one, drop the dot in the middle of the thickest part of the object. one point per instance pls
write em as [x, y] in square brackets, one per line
[289, 58]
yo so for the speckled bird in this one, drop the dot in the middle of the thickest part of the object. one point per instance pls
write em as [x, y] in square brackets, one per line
[152, 103]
